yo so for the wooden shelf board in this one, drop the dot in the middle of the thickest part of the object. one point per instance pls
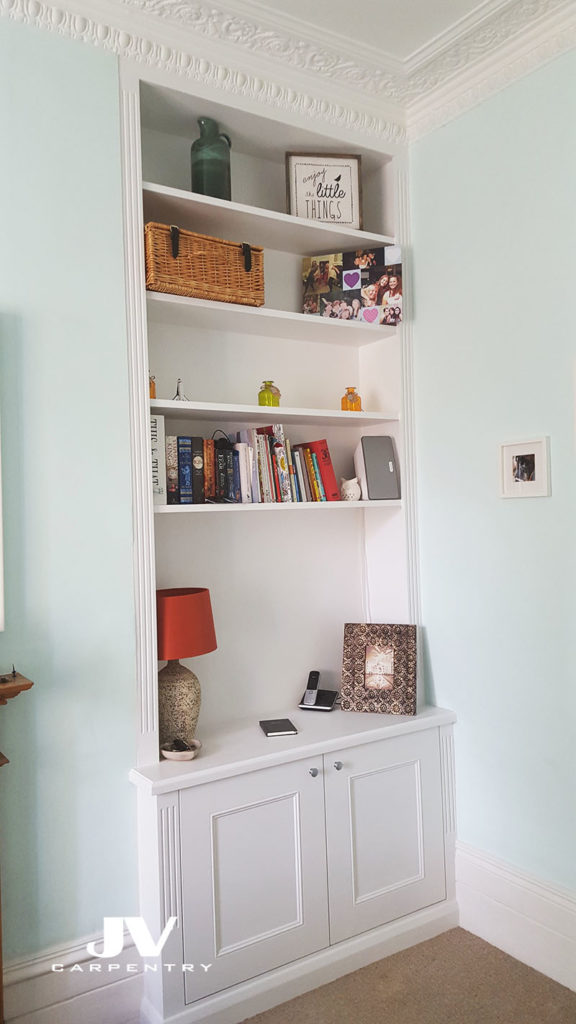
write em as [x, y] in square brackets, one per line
[180, 311]
[241, 223]
[279, 506]
[256, 414]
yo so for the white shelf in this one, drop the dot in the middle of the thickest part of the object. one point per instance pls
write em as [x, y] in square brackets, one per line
[180, 311]
[278, 506]
[240, 223]
[253, 414]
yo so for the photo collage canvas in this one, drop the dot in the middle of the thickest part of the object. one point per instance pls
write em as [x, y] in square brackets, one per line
[363, 285]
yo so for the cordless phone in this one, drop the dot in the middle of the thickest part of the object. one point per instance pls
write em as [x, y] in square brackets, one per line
[311, 693]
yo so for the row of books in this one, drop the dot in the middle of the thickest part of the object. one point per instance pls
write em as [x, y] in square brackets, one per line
[260, 465]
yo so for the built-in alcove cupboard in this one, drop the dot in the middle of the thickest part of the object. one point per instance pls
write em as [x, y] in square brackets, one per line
[283, 861]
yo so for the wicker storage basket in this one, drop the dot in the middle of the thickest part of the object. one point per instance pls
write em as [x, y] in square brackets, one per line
[184, 263]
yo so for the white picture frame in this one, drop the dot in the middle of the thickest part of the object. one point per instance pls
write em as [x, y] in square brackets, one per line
[525, 469]
[325, 187]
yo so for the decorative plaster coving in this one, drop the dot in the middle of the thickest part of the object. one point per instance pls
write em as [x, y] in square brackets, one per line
[372, 72]
[497, 30]
[69, 21]
[370, 75]
[474, 85]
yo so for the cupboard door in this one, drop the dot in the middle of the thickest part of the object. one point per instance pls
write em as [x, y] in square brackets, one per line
[384, 832]
[254, 874]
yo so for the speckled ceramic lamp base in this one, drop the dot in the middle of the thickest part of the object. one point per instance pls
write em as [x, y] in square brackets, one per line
[178, 703]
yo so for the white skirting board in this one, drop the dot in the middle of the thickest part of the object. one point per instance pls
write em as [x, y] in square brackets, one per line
[268, 990]
[34, 993]
[529, 919]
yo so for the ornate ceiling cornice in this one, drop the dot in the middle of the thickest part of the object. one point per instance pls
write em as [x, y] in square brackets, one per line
[287, 68]
[297, 51]
[72, 20]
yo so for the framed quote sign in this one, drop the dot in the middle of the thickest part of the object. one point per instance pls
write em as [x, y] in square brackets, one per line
[379, 668]
[326, 188]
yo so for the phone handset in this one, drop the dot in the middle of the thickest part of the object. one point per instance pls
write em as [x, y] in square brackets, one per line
[311, 689]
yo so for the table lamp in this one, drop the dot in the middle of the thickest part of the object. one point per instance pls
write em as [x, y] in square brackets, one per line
[185, 630]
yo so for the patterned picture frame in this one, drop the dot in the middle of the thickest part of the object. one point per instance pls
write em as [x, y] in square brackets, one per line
[379, 668]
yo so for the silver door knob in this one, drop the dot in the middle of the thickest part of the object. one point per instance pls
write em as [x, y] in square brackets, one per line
[338, 766]
[313, 772]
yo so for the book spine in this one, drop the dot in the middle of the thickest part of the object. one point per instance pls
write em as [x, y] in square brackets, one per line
[158, 454]
[221, 478]
[172, 485]
[241, 448]
[279, 452]
[292, 472]
[302, 476]
[185, 470]
[263, 468]
[327, 475]
[198, 470]
[311, 475]
[236, 485]
[318, 476]
[256, 487]
[274, 468]
[209, 470]
[230, 488]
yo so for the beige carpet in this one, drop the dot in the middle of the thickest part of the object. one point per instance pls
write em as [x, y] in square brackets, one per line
[455, 978]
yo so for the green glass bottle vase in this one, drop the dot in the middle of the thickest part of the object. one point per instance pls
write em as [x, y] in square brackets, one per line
[210, 159]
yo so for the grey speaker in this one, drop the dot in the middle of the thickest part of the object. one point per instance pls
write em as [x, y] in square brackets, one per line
[376, 467]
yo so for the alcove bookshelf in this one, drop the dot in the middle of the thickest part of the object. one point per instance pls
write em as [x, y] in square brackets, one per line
[282, 585]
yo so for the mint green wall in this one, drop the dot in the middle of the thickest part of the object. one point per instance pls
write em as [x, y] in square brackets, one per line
[67, 815]
[494, 213]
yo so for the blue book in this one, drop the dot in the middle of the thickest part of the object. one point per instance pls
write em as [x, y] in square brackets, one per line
[185, 470]
[237, 490]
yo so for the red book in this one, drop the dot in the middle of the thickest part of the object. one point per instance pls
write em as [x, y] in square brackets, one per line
[331, 489]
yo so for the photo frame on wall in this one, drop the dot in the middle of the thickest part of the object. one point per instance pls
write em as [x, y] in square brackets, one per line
[379, 668]
[326, 187]
[525, 469]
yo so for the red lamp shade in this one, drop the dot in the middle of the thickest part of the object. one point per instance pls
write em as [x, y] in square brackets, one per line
[185, 623]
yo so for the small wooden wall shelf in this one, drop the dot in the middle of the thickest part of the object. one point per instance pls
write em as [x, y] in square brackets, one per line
[11, 684]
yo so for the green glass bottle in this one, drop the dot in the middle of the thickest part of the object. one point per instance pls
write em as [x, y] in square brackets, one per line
[210, 159]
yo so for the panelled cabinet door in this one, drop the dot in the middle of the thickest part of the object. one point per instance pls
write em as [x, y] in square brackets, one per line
[254, 874]
[385, 832]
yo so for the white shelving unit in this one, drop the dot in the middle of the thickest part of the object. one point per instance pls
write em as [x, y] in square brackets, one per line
[313, 814]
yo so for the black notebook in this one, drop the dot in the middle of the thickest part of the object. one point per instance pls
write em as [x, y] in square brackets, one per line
[278, 727]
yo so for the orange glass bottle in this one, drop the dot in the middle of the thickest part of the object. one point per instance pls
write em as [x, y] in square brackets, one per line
[351, 401]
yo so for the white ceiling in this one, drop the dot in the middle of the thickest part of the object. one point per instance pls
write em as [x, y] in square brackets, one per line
[398, 28]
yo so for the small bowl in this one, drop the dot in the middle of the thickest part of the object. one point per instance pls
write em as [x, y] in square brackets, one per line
[182, 755]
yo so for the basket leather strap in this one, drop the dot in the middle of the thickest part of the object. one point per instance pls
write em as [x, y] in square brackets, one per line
[247, 253]
[175, 239]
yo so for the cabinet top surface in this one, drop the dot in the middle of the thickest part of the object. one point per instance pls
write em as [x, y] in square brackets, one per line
[243, 747]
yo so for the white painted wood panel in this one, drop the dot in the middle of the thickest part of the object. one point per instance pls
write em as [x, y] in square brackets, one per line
[384, 832]
[267, 228]
[253, 852]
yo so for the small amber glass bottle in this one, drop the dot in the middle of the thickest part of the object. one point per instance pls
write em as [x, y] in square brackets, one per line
[351, 401]
[268, 394]
[152, 385]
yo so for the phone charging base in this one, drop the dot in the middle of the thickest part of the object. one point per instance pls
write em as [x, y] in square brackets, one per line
[324, 701]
